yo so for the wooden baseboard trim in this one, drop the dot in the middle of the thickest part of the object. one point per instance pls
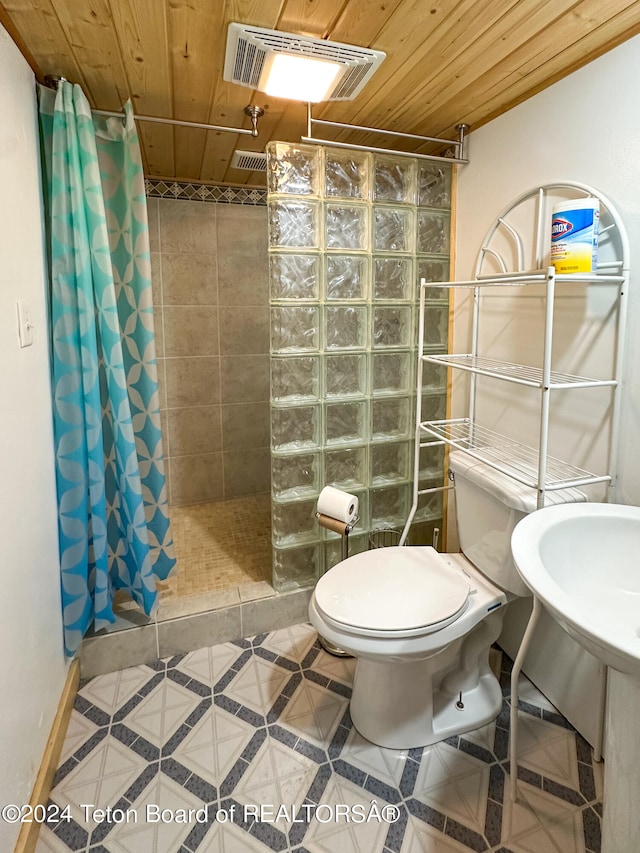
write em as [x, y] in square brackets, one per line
[28, 837]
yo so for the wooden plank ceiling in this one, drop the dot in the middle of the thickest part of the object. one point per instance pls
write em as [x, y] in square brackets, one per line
[448, 61]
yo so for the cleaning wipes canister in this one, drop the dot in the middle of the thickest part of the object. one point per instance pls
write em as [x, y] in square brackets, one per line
[574, 235]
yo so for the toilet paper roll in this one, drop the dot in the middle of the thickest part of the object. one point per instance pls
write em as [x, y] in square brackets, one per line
[337, 504]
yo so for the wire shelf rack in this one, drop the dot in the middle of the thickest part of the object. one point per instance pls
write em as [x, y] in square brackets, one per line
[511, 457]
[519, 373]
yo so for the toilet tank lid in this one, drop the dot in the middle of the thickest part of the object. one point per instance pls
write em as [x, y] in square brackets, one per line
[510, 492]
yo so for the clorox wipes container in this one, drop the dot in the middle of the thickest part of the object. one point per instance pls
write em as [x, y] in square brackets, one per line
[574, 235]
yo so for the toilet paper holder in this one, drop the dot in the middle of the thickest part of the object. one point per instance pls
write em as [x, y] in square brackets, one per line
[342, 528]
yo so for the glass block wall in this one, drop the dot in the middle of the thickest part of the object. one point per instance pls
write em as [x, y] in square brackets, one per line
[350, 236]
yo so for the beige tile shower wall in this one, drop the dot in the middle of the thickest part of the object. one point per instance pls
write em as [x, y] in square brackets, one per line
[211, 297]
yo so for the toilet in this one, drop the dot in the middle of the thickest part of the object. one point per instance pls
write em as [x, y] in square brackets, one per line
[420, 624]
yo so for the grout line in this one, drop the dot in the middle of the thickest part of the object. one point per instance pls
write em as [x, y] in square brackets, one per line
[157, 632]
[219, 356]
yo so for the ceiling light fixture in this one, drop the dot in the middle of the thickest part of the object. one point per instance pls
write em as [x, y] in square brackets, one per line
[299, 78]
[300, 68]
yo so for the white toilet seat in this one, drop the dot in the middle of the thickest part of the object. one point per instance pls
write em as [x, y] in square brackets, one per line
[393, 592]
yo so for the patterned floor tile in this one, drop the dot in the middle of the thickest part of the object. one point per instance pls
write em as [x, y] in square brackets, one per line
[533, 810]
[566, 836]
[548, 750]
[529, 693]
[484, 737]
[276, 776]
[209, 665]
[419, 837]
[336, 832]
[159, 826]
[212, 746]
[255, 738]
[335, 668]
[443, 763]
[386, 765]
[258, 684]
[293, 643]
[99, 779]
[159, 714]
[79, 731]
[115, 688]
[454, 784]
[229, 838]
[529, 813]
[313, 713]
[48, 842]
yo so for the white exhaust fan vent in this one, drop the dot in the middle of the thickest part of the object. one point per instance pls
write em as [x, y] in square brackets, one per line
[252, 161]
[252, 53]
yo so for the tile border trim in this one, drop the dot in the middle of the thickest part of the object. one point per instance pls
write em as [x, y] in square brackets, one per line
[114, 650]
[212, 193]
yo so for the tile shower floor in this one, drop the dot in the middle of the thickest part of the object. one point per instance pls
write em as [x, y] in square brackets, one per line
[223, 552]
[264, 722]
[220, 545]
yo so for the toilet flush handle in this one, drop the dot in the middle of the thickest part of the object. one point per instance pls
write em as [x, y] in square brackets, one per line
[472, 589]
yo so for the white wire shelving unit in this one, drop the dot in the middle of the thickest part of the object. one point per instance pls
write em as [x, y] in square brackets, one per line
[532, 466]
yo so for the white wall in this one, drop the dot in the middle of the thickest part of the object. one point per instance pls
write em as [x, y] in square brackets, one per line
[32, 666]
[584, 129]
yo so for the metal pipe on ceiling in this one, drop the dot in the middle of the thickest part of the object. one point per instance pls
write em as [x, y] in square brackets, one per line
[457, 145]
[252, 111]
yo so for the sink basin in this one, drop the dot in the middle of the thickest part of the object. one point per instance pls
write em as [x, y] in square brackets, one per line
[582, 561]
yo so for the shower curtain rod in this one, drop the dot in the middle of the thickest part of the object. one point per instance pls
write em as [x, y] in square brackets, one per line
[253, 112]
[458, 144]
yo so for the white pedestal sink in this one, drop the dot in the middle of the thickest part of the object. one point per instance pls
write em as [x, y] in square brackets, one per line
[582, 561]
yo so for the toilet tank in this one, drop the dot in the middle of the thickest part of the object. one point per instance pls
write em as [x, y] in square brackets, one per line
[489, 504]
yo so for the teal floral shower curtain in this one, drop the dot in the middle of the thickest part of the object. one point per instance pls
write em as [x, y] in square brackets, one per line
[113, 516]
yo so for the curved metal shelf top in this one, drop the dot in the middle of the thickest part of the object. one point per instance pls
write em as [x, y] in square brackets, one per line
[506, 233]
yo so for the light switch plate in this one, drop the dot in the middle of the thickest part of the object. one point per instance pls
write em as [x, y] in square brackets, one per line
[25, 326]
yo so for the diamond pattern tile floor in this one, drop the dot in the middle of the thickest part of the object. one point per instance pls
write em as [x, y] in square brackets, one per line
[248, 747]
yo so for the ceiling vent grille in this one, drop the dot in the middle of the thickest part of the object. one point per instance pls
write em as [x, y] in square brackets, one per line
[248, 48]
[252, 161]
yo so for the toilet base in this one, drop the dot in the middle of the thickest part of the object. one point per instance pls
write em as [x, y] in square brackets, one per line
[414, 703]
[332, 649]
